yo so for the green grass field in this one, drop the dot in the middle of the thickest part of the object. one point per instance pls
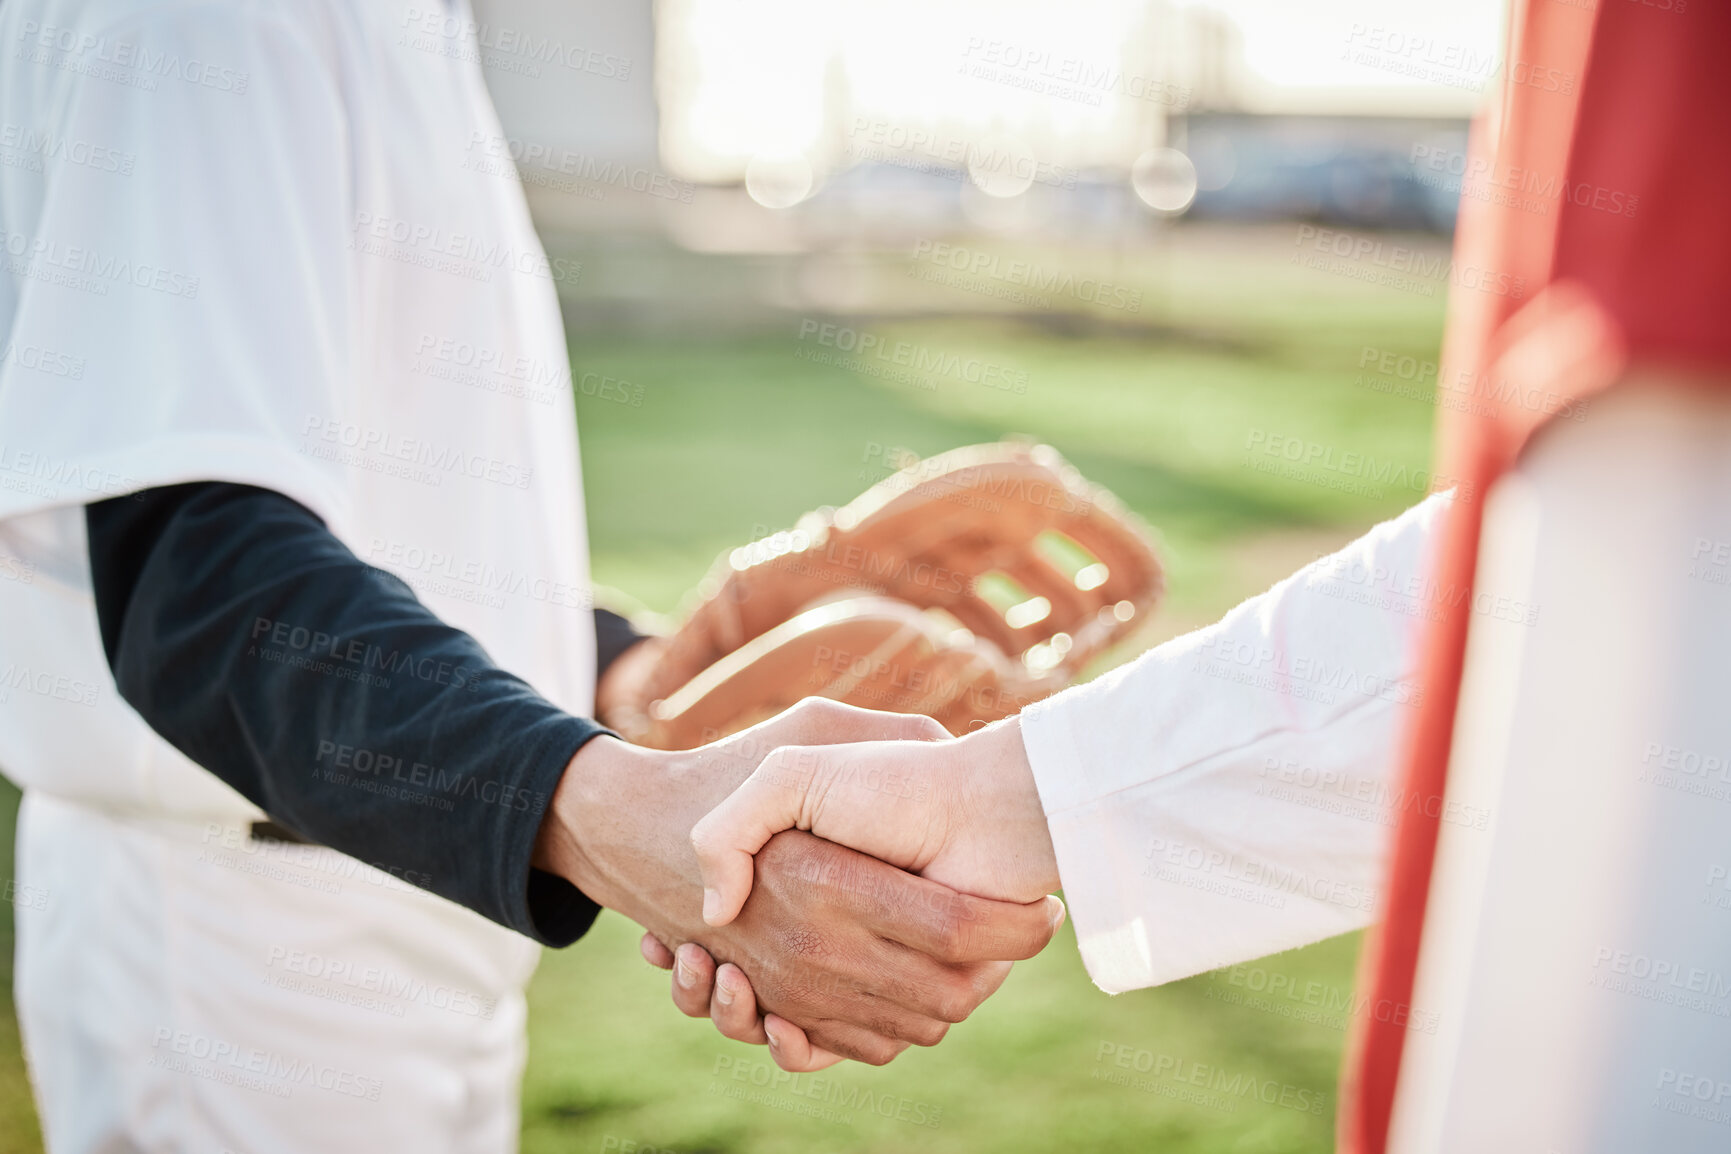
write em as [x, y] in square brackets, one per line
[736, 437]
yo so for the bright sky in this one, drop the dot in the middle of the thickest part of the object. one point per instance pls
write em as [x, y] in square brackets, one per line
[1082, 80]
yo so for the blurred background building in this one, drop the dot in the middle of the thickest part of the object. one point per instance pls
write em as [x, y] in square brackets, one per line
[801, 145]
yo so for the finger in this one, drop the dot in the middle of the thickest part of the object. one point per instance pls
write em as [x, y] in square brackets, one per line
[693, 980]
[855, 1042]
[655, 953]
[885, 990]
[955, 993]
[933, 996]
[886, 1009]
[733, 1009]
[986, 977]
[918, 951]
[821, 721]
[946, 925]
[767, 802]
[792, 1050]
[919, 727]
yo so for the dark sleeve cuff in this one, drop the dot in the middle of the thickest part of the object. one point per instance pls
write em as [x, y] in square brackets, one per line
[541, 905]
[613, 636]
[559, 914]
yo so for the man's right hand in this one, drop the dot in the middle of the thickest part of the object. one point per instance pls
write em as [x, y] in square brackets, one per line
[865, 958]
[963, 812]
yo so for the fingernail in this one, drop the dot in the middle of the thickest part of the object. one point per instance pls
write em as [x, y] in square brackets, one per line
[723, 992]
[711, 905]
[686, 977]
[774, 1043]
[1056, 913]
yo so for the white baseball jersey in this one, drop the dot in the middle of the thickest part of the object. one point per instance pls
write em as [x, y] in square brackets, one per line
[250, 241]
[255, 241]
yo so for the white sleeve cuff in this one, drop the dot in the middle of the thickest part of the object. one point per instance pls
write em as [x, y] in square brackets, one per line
[1225, 796]
[1114, 948]
[1221, 862]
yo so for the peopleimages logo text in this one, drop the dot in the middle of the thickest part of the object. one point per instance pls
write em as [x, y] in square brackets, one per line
[1036, 278]
[82, 51]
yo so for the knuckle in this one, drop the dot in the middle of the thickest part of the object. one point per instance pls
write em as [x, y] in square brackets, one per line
[800, 869]
[891, 1050]
[859, 1043]
[791, 1065]
[882, 1022]
[702, 840]
[832, 874]
[950, 938]
[771, 989]
[920, 726]
[954, 1005]
[844, 1044]
[878, 1052]
[984, 980]
[786, 765]
[1036, 931]
[928, 1032]
[788, 849]
[819, 709]
[738, 1031]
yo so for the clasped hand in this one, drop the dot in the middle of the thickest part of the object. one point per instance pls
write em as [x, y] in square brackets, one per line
[816, 949]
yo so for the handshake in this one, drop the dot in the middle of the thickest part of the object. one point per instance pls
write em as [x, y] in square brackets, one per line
[930, 865]
[735, 859]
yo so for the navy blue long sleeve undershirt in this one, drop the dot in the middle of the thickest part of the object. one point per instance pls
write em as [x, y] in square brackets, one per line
[318, 686]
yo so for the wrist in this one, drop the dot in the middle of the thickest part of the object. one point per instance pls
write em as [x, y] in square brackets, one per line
[619, 826]
[589, 814]
[998, 776]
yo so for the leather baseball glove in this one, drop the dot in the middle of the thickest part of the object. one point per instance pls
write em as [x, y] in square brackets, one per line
[965, 587]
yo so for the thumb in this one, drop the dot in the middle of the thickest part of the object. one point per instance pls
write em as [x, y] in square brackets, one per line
[772, 799]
